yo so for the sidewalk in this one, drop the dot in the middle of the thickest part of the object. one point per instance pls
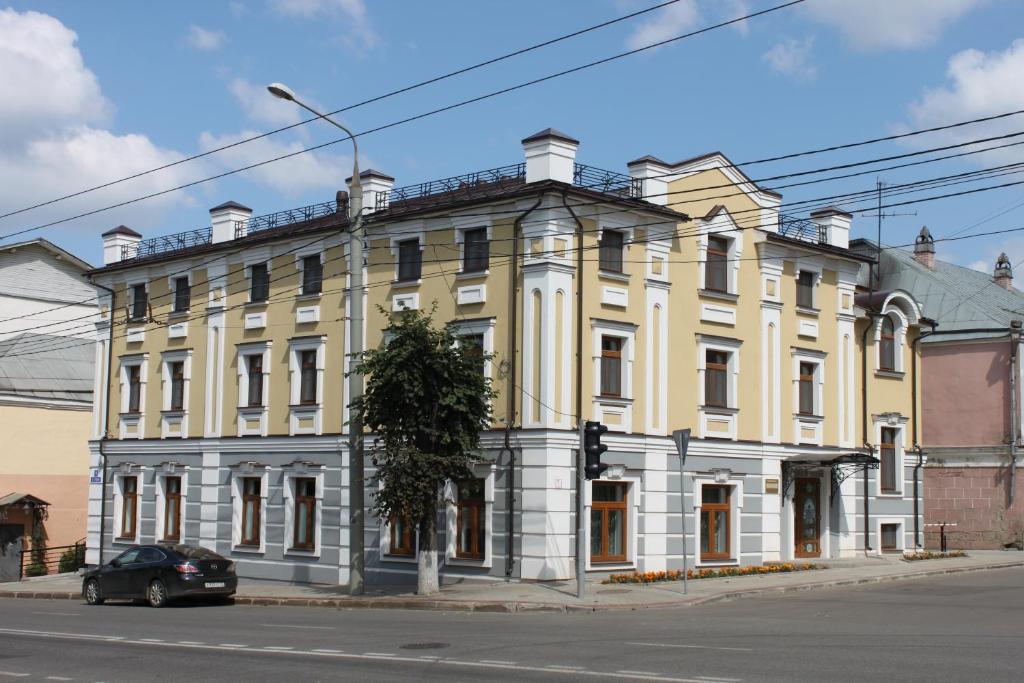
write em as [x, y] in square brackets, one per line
[560, 596]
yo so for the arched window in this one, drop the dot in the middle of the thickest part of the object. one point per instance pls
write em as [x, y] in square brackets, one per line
[887, 345]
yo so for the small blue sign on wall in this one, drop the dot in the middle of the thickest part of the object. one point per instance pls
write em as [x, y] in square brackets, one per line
[95, 478]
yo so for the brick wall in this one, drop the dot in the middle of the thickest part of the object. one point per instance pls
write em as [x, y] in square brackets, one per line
[974, 498]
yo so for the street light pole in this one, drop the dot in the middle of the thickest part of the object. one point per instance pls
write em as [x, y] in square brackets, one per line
[356, 323]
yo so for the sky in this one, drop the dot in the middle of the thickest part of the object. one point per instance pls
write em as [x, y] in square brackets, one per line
[97, 91]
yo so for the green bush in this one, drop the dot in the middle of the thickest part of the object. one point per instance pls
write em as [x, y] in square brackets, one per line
[71, 559]
[36, 569]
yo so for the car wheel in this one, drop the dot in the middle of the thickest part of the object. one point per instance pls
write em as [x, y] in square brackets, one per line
[93, 594]
[157, 593]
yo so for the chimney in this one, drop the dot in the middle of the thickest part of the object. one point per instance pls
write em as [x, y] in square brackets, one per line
[376, 186]
[229, 220]
[550, 155]
[924, 249]
[120, 244]
[1003, 274]
[835, 224]
[652, 173]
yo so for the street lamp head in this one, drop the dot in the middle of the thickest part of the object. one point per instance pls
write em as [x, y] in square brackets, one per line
[281, 91]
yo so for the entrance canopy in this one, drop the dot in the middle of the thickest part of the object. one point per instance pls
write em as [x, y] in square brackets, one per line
[26, 501]
[841, 468]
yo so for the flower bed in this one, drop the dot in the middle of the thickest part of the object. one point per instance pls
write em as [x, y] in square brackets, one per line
[929, 555]
[677, 574]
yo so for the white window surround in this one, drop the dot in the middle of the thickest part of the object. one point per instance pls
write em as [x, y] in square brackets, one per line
[729, 414]
[627, 227]
[170, 470]
[138, 475]
[899, 423]
[622, 405]
[239, 473]
[130, 292]
[244, 409]
[816, 358]
[634, 490]
[142, 362]
[485, 471]
[816, 271]
[169, 418]
[482, 326]
[900, 323]
[901, 538]
[384, 542]
[318, 249]
[170, 285]
[721, 225]
[735, 513]
[295, 348]
[414, 232]
[461, 225]
[291, 473]
[268, 262]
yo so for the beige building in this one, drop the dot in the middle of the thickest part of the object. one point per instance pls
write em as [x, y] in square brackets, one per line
[675, 296]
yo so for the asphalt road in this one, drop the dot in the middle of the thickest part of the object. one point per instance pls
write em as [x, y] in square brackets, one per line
[961, 627]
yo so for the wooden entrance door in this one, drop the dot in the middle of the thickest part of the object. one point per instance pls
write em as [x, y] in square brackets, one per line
[807, 518]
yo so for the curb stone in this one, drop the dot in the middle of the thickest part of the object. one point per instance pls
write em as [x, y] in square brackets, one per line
[506, 607]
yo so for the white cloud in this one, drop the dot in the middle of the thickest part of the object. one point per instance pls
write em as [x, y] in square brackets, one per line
[52, 135]
[791, 58]
[979, 84]
[359, 34]
[885, 24]
[262, 107]
[291, 177]
[203, 39]
[664, 24]
[238, 8]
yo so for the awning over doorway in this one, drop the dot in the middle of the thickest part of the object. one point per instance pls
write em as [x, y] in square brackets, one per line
[841, 468]
[26, 501]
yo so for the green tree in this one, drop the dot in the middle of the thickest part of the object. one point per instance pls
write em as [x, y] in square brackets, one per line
[427, 400]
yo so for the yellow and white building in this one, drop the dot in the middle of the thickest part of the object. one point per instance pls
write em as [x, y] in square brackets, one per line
[675, 296]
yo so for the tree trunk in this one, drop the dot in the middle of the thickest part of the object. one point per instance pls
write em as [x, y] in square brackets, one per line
[426, 559]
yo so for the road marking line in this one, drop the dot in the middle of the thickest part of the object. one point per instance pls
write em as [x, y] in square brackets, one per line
[429, 657]
[151, 640]
[319, 628]
[716, 679]
[13, 674]
[695, 647]
[190, 642]
[59, 678]
[278, 647]
[59, 614]
[119, 640]
[329, 652]
[379, 654]
[234, 645]
[564, 667]
[638, 673]
[496, 661]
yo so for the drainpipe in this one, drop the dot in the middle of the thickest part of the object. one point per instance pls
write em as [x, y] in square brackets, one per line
[913, 426]
[510, 386]
[106, 419]
[864, 422]
[1015, 330]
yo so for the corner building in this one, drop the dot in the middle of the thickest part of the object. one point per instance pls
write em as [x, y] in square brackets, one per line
[674, 296]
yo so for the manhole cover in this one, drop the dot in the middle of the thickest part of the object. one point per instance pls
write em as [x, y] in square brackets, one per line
[423, 646]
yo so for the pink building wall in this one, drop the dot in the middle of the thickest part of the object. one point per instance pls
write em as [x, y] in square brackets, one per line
[965, 389]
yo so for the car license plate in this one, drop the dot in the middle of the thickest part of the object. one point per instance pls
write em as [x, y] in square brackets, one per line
[215, 584]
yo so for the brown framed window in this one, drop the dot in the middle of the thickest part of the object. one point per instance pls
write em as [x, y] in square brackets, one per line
[254, 370]
[176, 370]
[134, 373]
[716, 378]
[172, 509]
[259, 282]
[403, 537]
[890, 538]
[470, 522]
[140, 302]
[807, 388]
[305, 514]
[887, 345]
[182, 294]
[474, 347]
[805, 289]
[608, 522]
[887, 458]
[410, 260]
[610, 251]
[714, 522]
[251, 505]
[476, 255]
[716, 273]
[307, 377]
[129, 506]
[312, 275]
[611, 366]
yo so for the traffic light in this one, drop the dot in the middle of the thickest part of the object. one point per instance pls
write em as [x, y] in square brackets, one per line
[593, 448]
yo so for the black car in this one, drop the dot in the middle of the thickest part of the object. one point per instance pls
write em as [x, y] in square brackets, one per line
[159, 573]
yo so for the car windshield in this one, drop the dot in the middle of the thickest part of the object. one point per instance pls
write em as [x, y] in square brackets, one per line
[195, 552]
